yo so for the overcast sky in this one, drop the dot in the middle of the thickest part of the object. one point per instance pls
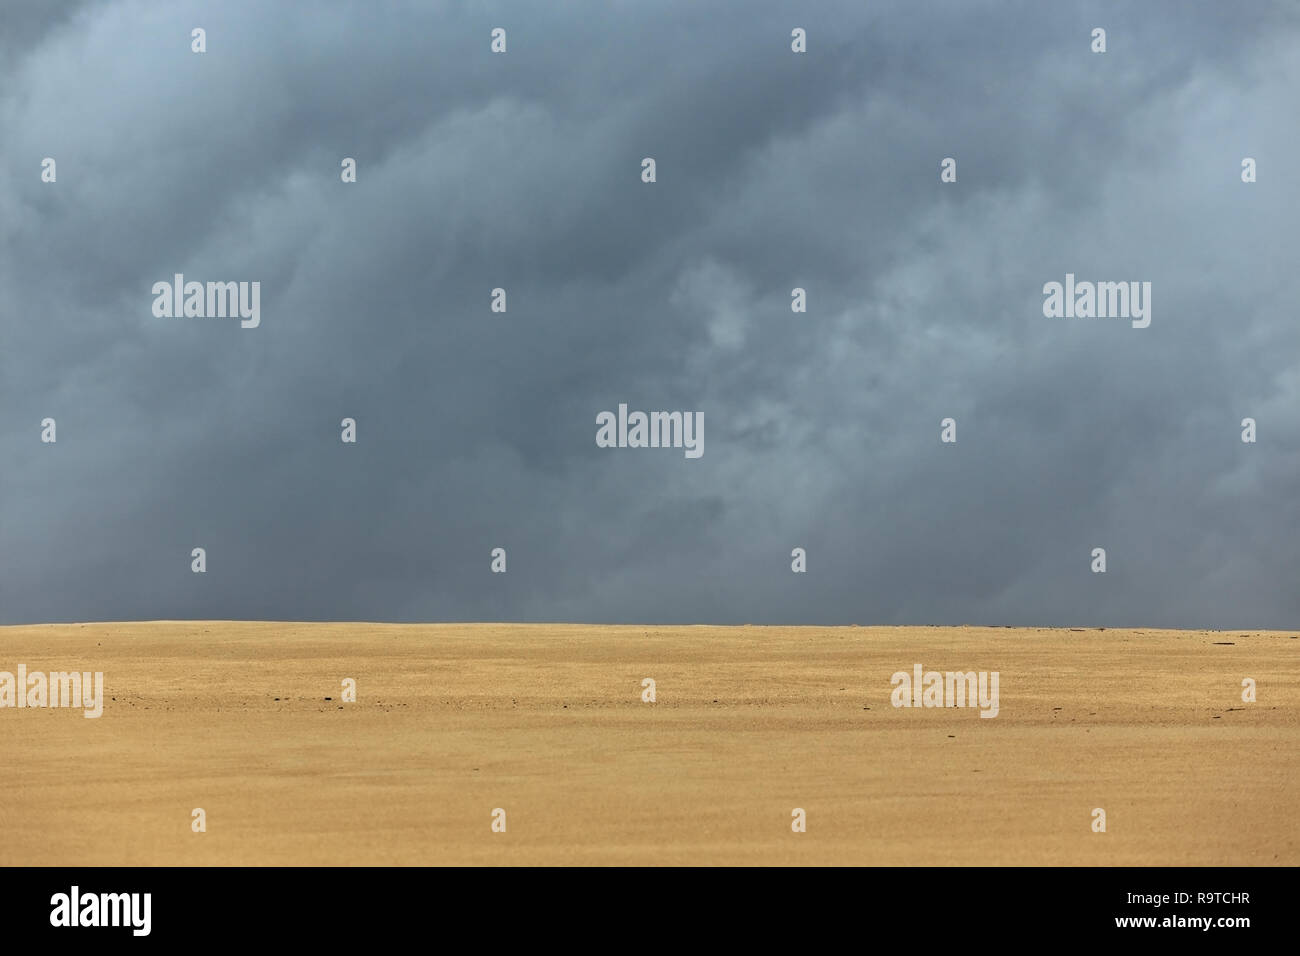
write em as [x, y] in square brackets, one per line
[775, 170]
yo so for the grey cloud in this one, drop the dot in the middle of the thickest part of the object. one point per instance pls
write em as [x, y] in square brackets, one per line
[477, 430]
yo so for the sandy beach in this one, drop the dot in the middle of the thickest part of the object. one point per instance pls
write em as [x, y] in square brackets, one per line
[547, 722]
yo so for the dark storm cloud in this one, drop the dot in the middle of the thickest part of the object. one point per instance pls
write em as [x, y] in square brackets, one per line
[476, 430]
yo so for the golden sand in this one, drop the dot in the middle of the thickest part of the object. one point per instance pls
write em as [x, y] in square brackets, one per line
[547, 723]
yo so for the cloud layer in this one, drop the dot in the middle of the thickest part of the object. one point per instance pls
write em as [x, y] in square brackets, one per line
[775, 170]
